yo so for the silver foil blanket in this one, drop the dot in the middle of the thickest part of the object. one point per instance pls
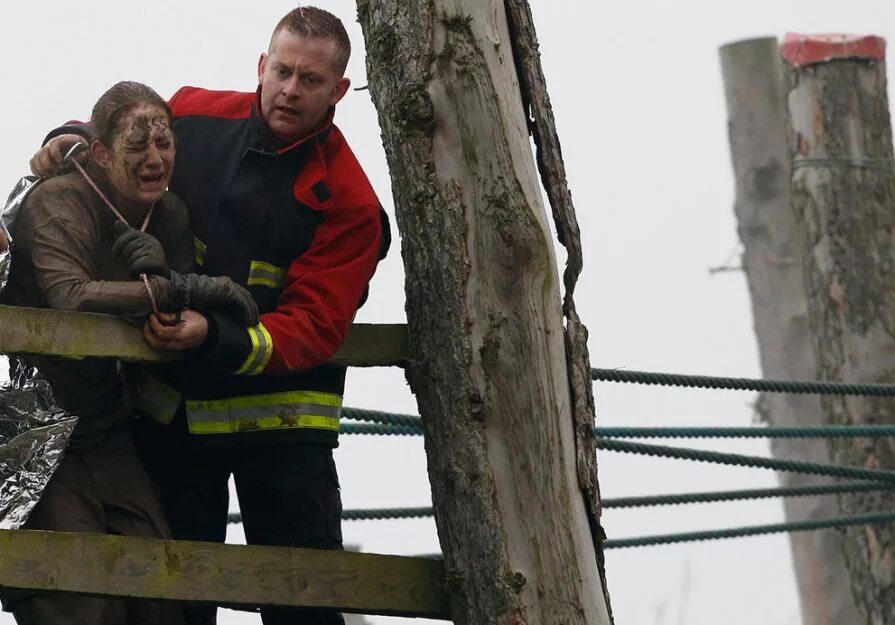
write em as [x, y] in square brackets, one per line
[34, 433]
[34, 429]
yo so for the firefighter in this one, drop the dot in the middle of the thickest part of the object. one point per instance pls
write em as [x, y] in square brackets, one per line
[279, 204]
[74, 249]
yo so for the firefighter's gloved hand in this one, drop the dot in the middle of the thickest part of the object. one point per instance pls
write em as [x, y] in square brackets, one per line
[141, 252]
[221, 294]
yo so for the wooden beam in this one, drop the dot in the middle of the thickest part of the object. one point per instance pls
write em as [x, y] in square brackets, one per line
[374, 345]
[73, 335]
[78, 335]
[232, 575]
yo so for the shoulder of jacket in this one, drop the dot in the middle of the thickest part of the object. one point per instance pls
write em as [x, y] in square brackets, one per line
[345, 177]
[58, 188]
[174, 207]
[173, 202]
[64, 198]
[194, 101]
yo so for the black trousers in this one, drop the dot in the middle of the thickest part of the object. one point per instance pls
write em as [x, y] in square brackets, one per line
[288, 496]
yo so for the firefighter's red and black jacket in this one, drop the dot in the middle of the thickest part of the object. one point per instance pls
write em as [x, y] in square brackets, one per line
[301, 227]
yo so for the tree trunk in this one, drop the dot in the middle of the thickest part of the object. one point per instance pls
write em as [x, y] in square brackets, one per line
[513, 506]
[842, 189]
[772, 260]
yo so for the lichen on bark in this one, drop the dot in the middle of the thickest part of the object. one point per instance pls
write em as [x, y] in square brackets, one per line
[843, 195]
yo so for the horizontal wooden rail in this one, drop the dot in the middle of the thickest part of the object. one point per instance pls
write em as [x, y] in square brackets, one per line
[232, 575]
[78, 335]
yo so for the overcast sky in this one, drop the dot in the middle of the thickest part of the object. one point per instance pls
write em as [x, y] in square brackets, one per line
[637, 93]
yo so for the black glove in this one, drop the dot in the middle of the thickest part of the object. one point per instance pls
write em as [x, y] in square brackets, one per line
[141, 252]
[207, 293]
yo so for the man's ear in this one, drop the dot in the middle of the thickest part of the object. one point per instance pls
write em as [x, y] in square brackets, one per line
[339, 90]
[262, 63]
[101, 154]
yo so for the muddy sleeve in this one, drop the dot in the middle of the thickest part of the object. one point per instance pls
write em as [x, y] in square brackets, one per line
[63, 245]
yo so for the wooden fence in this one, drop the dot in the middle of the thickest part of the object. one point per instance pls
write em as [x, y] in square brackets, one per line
[231, 575]
[76, 335]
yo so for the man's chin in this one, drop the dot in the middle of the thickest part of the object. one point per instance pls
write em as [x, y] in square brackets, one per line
[287, 132]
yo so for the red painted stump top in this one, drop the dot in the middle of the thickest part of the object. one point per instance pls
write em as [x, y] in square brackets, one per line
[801, 50]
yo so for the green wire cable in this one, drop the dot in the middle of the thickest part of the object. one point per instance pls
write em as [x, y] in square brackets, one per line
[375, 514]
[742, 384]
[871, 518]
[755, 462]
[699, 455]
[413, 423]
[744, 495]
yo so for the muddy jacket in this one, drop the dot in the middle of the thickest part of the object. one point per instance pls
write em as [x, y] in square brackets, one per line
[302, 229]
[63, 258]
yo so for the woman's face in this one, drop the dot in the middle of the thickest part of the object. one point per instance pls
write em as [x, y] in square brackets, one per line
[140, 160]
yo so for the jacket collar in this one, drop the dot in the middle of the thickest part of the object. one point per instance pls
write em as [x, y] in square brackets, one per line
[134, 213]
[273, 144]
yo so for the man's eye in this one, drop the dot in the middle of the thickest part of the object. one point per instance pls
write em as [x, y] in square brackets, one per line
[282, 73]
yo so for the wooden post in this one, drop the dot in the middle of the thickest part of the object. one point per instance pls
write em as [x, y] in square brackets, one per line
[772, 260]
[843, 194]
[516, 510]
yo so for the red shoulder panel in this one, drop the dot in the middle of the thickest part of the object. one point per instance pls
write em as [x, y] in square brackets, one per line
[345, 174]
[220, 104]
[801, 50]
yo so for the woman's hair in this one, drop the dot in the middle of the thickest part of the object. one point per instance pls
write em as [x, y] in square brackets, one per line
[116, 103]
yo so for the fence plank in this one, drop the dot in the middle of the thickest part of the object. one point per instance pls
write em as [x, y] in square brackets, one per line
[77, 334]
[233, 575]
[374, 345]
[72, 334]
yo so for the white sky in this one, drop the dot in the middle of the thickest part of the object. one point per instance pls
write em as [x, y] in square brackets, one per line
[639, 104]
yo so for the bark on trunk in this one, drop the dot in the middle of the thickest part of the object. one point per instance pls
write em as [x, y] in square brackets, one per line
[843, 194]
[772, 260]
[536, 103]
[485, 316]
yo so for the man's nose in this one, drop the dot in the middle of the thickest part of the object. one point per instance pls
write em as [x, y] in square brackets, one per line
[291, 87]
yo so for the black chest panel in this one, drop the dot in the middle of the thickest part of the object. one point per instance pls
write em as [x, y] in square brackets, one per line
[242, 203]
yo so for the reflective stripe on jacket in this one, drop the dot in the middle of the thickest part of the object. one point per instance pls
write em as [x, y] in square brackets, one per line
[246, 413]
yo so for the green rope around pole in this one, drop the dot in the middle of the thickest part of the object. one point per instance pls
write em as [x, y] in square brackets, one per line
[742, 384]
[871, 518]
[680, 453]
[379, 429]
[756, 530]
[743, 495]
[376, 416]
[376, 514]
[367, 514]
[756, 462]
[814, 431]
[409, 425]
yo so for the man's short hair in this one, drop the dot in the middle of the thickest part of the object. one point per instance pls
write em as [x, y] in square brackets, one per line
[315, 22]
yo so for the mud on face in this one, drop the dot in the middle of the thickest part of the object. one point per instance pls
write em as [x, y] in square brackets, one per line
[141, 158]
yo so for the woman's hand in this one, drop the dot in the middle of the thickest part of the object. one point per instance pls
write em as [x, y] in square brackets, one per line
[188, 333]
[139, 251]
